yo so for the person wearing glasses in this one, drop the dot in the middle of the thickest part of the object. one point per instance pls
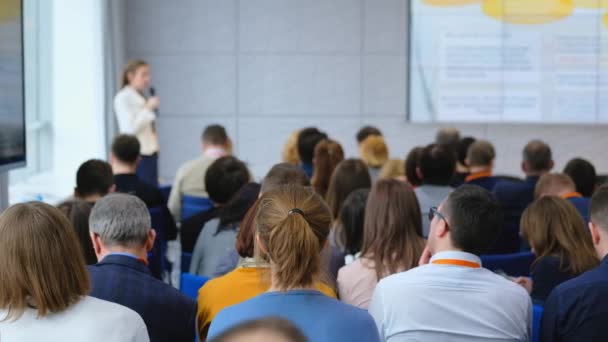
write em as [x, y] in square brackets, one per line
[450, 297]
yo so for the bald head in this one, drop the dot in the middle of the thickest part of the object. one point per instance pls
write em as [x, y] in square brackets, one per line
[537, 158]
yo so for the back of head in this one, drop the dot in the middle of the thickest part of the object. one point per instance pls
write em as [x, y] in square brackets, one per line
[349, 175]
[393, 169]
[463, 148]
[262, 330]
[94, 177]
[537, 157]
[411, 165]
[437, 164]
[328, 154]
[215, 135]
[307, 141]
[121, 220]
[78, 212]
[392, 233]
[553, 227]
[352, 216]
[290, 149]
[480, 154]
[367, 131]
[284, 174]
[292, 225]
[373, 151]
[126, 148]
[41, 263]
[475, 218]
[449, 136]
[554, 184]
[234, 211]
[598, 208]
[583, 174]
[224, 178]
[246, 235]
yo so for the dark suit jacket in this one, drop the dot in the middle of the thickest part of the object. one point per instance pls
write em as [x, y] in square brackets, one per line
[152, 196]
[169, 315]
[487, 183]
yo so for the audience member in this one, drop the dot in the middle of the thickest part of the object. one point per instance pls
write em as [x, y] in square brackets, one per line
[263, 330]
[250, 278]
[374, 153]
[122, 237]
[576, 309]
[292, 226]
[94, 180]
[435, 167]
[462, 169]
[561, 185]
[449, 136]
[219, 235]
[350, 175]
[393, 169]
[290, 149]
[190, 177]
[365, 132]
[392, 241]
[583, 174]
[516, 196]
[328, 154]
[78, 212]
[350, 229]
[44, 284]
[124, 159]
[480, 160]
[411, 167]
[223, 179]
[307, 141]
[450, 297]
[562, 246]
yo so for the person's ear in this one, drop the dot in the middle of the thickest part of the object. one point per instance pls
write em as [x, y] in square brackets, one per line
[138, 160]
[524, 167]
[260, 245]
[595, 234]
[551, 165]
[150, 240]
[97, 244]
[112, 189]
[419, 173]
[442, 229]
[467, 162]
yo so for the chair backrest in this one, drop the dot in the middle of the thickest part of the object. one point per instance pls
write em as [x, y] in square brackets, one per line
[537, 316]
[190, 284]
[508, 241]
[192, 205]
[515, 264]
[186, 259]
[156, 257]
[166, 191]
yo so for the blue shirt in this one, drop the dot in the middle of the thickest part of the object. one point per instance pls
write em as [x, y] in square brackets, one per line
[577, 310]
[307, 168]
[319, 317]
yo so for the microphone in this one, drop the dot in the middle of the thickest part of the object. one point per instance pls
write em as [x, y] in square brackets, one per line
[152, 91]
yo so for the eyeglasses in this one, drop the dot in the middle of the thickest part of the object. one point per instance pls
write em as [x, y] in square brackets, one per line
[434, 212]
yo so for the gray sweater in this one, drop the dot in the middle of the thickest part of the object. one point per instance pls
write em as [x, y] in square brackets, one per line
[210, 248]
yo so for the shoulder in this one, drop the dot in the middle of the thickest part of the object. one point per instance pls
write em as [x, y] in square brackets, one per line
[109, 312]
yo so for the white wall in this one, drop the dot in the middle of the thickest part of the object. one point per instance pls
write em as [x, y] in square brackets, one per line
[264, 68]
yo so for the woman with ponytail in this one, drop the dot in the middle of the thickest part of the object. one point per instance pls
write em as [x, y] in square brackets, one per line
[292, 225]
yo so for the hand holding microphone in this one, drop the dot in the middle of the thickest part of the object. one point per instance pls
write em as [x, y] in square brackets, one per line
[153, 101]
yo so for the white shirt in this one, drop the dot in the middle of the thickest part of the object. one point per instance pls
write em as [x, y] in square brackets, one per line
[91, 320]
[134, 118]
[437, 302]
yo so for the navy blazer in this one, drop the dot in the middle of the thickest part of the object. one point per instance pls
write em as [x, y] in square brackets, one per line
[168, 314]
[582, 205]
[487, 183]
[577, 310]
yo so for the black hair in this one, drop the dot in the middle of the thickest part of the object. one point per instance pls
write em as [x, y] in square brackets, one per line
[215, 135]
[94, 177]
[126, 148]
[234, 211]
[307, 141]
[583, 174]
[598, 207]
[224, 178]
[437, 164]
[474, 218]
[352, 216]
[538, 156]
[463, 148]
[366, 131]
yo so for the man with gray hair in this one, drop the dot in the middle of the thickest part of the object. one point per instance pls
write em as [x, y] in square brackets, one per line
[122, 236]
[449, 136]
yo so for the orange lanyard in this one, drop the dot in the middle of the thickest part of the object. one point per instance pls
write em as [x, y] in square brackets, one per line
[457, 262]
[478, 175]
[572, 195]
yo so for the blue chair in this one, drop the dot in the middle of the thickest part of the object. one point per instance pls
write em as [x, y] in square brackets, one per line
[515, 264]
[186, 260]
[190, 284]
[192, 205]
[166, 191]
[536, 322]
[157, 257]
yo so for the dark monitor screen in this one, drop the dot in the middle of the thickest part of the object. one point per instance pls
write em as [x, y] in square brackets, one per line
[12, 108]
